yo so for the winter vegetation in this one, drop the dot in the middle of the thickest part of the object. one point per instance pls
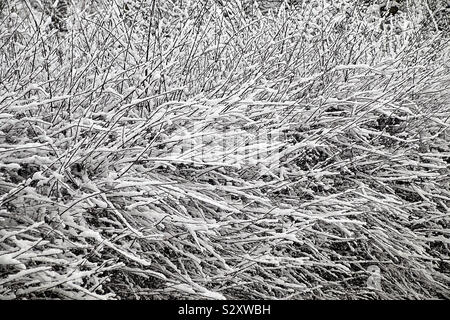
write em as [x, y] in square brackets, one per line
[168, 149]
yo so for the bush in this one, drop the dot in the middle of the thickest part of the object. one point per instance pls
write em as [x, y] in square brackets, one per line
[106, 192]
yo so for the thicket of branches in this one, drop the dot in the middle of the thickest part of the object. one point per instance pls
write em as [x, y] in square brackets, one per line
[96, 203]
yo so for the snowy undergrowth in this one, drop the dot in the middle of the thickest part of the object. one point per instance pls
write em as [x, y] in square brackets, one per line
[97, 202]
